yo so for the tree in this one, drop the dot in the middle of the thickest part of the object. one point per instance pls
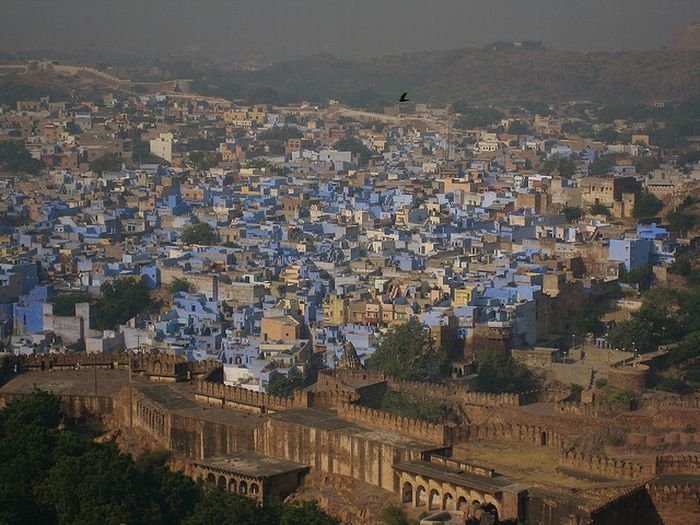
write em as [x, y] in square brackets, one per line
[16, 158]
[415, 406]
[283, 386]
[647, 205]
[305, 513]
[179, 285]
[681, 222]
[356, 147]
[121, 300]
[282, 133]
[200, 233]
[393, 515]
[518, 127]
[203, 160]
[108, 162]
[499, 373]
[599, 209]
[408, 352]
[601, 165]
[642, 277]
[572, 213]
[561, 165]
[64, 304]
[224, 508]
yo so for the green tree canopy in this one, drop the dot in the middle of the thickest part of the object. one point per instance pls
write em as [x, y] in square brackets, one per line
[179, 285]
[572, 213]
[408, 352]
[599, 209]
[356, 147]
[200, 233]
[203, 160]
[499, 373]
[53, 477]
[108, 162]
[647, 205]
[282, 133]
[559, 165]
[16, 158]
[64, 304]
[121, 300]
[283, 386]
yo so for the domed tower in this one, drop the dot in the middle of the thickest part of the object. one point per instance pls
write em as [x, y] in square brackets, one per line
[349, 360]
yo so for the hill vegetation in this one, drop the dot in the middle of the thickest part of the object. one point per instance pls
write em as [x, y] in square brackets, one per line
[52, 476]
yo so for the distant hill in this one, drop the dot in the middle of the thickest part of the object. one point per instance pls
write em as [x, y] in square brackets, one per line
[490, 75]
[502, 73]
[687, 39]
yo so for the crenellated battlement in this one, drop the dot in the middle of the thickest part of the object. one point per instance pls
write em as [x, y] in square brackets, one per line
[606, 466]
[597, 409]
[234, 396]
[158, 367]
[381, 420]
[678, 464]
[524, 433]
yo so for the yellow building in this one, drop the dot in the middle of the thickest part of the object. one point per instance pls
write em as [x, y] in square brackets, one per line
[335, 310]
[280, 328]
[462, 296]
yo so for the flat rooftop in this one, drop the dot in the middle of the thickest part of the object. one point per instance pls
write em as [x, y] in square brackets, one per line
[327, 419]
[71, 382]
[462, 479]
[251, 464]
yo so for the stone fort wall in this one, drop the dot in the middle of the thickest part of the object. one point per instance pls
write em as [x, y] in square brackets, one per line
[415, 428]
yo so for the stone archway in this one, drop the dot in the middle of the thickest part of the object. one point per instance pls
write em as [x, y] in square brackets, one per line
[448, 502]
[434, 500]
[243, 487]
[462, 503]
[254, 489]
[211, 478]
[222, 483]
[232, 485]
[407, 493]
[421, 496]
[543, 439]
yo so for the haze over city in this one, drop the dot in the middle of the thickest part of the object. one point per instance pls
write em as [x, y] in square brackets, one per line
[274, 29]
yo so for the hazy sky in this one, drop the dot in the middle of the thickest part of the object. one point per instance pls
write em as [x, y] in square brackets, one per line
[282, 28]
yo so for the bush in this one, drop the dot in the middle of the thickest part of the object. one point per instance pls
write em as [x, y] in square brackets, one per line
[499, 373]
[620, 396]
[575, 392]
[647, 205]
[200, 233]
[601, 382]
[599, 209]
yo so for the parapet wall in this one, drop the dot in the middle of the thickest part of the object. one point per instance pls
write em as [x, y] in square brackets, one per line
[523, 433]
[444, 392]
[74, 406]
[234, 396]
[661, 402]
[611, 467]
[157, 366]
[676, 503]
[381, 420]
[678, 464]
[598, 409]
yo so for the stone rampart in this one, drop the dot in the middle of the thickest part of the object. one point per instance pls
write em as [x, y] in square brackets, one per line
[676, 503]
[605, 466]
[158, 367]
[234, 396]
[517, 432]
[421, 430]
[660, 402]
[598, 409]
[678, 464]
[74, 406]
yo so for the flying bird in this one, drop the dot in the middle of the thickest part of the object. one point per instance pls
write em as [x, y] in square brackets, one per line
[403, 98]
